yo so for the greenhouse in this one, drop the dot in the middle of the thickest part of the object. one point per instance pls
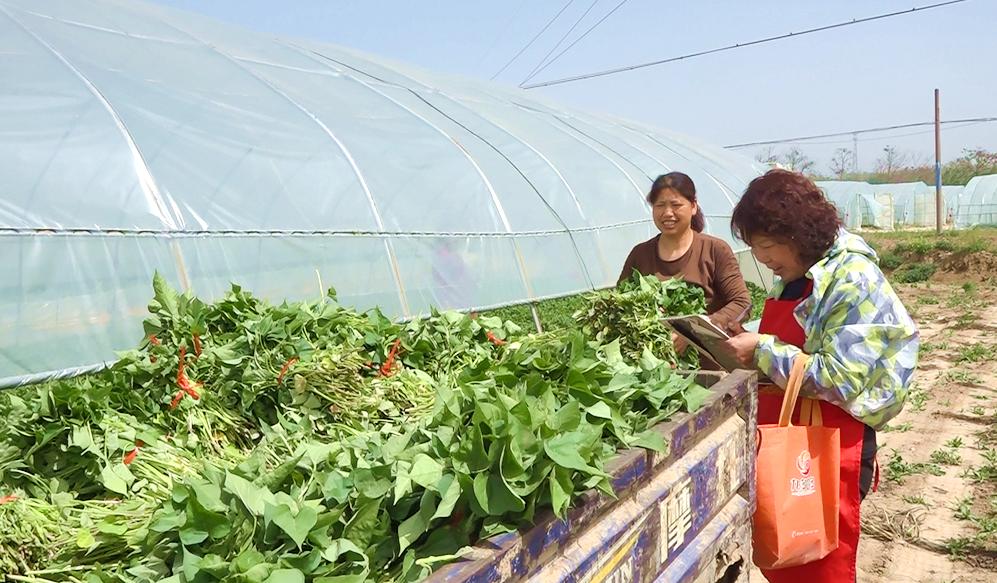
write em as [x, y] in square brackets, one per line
[858, 205]
[137, 139]
[913, 203]
[978, 202]
[951, 195]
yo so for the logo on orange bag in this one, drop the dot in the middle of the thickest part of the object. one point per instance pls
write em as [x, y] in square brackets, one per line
[803, 463]
[805, 485]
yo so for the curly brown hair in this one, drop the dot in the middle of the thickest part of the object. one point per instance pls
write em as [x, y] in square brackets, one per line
[788, 207]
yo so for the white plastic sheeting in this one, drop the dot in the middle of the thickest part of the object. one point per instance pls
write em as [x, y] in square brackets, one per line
[858, 205]
[913, 203]
[134, 138]
[951, 195]
[978, 202]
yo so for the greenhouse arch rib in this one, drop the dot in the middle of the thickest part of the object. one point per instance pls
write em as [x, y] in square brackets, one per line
[388, 246]
[146, 180]
[490, 122]
[520, 262]
[568, 231]
[723, 187]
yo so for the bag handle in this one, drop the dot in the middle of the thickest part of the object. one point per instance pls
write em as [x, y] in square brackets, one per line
[810, 413]
[792, 392]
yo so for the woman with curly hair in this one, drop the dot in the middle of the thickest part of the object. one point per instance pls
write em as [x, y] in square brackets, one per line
[833, 304]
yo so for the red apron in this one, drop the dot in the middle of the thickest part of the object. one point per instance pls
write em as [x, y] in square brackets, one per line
[839, 566]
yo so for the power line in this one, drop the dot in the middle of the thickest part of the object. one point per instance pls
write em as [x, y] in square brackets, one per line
[863, 131]
[880, 138]
[515, 14]
[558, 45]
[576, 41]
[737, 46]
[533, 40]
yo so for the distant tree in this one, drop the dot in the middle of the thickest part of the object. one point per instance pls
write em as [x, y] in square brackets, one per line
[767, 156]
[891, 161]
[842, 162]
[797, 161]
[973, 162]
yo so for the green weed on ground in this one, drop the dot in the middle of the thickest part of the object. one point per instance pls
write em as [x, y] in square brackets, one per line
[914, 273]
[961, 377]
[897, 468]
[977, 352]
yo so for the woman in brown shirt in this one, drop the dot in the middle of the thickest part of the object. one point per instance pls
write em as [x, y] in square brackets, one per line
[683, 250]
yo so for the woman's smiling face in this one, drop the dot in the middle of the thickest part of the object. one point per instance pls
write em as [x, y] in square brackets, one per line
[673, 212]
[781, 257]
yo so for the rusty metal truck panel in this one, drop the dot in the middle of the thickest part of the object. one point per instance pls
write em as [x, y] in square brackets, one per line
[721, 552]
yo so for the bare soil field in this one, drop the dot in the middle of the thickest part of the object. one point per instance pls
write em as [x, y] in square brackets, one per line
[934, 518]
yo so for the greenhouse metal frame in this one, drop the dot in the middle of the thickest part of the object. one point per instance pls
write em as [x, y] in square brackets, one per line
[136, 139]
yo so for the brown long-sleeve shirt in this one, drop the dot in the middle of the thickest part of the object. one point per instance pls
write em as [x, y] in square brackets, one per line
[709, 263]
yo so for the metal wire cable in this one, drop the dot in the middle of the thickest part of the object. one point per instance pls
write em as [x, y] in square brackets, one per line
[532, 40]
[736, 46]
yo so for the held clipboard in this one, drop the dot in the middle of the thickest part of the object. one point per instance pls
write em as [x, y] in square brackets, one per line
[707, 338]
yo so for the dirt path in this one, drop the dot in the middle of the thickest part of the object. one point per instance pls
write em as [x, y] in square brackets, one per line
[932, 458]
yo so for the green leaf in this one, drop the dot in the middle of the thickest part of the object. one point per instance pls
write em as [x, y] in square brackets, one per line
[340, 547]
[248, 559]
[600, 410]
[414, 526]
[252, 497]
[426, 471]
[694, 397]
[193, 535]
[191, 565]
[494, 495]
[286, 576]
[337, 487]
[165, 295]
[651, 440]
[116, 479]
[107, 527]
[359, 578]
[449, 486]
[364, 527]
[564, 450]
[214, 565]
[648, 361]
[567, 417]
[561, 491]
[621, 382]
[85, 539]
[82, 437]
[472, 451]
[403, 480]
[209, 495]
[297, 526]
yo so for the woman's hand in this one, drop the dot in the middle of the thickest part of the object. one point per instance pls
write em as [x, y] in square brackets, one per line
[743, 346]
[680, 344]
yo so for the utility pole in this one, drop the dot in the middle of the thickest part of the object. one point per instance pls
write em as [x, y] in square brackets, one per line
[855, 152]
[938, 165]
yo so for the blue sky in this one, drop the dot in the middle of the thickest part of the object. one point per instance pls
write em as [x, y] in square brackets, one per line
[867, 75]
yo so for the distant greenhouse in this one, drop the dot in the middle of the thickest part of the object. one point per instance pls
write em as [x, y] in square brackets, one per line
[858, 204]
[913, 203]
[978, 202]
[951, 195]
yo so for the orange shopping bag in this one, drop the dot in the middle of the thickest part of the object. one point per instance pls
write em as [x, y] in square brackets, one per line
[797, 477]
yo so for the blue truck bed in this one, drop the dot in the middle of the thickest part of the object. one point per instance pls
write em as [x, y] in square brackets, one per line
[683, 516]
